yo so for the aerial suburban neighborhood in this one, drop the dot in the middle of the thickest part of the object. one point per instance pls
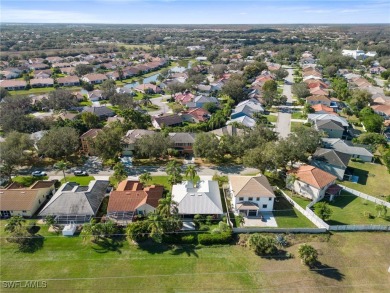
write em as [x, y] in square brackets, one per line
[194, 158]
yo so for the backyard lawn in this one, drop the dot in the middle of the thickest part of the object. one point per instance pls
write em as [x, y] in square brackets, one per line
[349, 262]
[161, 180]
[289, 217]
[28, 180]
[82, 180]
[349, 209]
[297, 115]
[374, 179]
[272, 118]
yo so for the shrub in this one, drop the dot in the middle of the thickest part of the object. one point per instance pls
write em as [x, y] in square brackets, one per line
[262, 244]
[179, 239]
[211, 239]
[308, 254]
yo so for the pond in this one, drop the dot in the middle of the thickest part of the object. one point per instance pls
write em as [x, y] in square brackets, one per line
[146, 80]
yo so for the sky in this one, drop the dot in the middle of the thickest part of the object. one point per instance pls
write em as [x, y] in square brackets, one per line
[195, 12]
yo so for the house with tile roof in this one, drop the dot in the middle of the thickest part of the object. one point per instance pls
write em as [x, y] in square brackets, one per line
[251, 195]
[94, 78]
[73, 202]
[102, 112]
[331, 161]
[17, 200]
[132, 198]
[318, 99]
[243, 120]
[86, 139]
[12, 84]
[41, 82]
[322, 109]
[68, 81]
[196, 115]
[312, 182]
[230, 130]
[202, 198]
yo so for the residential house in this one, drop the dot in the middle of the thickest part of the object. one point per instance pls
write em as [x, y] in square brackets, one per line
[247, 108]
[171, 120]
[13, 84]
[8, 74]
[312, 182]
[54, 59]
[68, 70]
[383, 110]
[131, 198]
[228, 130]
[16, 200]
[243, 120]
[184, 98]
[73, 202]
[196, 115]
[102, 112]
[203, 88]
[332, 128]
[331, 161]
[68, 81]
[42, 73]
[318, 99]
[322, 109]
[251, 195]
[95, 95]
[345, 147]
[86, 139]
[377, 69]
[131, 137]
[41, 82]
[319, 91]
[94, 78]
[199, 101]
[361, 82]
[183, 142]
[312, 118]
[39, 66]
[148, 88]
[202, 198]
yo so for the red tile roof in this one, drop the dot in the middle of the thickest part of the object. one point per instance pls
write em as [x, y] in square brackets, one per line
[313, 176]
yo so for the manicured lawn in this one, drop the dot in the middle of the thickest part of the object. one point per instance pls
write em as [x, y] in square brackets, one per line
[28, 180]
[349, 209]
[302, 201]
[41, 90]
[82, 180]
[85, 103]
[272, 118]
[374, 179]
[297, 115]
[161, 180]
[295, 126]
[350, 261]
[289, 217]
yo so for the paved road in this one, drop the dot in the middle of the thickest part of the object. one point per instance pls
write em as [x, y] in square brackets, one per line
[163, 107]
[283, 124]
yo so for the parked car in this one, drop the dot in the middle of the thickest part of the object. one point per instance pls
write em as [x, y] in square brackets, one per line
[38, 173]
[80, 173]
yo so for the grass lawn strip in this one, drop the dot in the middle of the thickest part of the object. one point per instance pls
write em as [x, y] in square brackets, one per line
[81, 180]
[68, 264]
[374, 179]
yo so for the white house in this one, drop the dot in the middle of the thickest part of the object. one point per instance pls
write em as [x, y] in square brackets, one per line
[251, 195]
[203, 198]
[312, 182]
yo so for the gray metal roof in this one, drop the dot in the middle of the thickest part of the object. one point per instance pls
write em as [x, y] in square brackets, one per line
[342, 147]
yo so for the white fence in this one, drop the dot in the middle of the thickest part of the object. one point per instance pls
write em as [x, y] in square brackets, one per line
[359, 228]
[308, 213]
[279, 230]
[365, 196]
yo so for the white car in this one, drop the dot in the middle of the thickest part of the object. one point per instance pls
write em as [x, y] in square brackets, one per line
[38, 173]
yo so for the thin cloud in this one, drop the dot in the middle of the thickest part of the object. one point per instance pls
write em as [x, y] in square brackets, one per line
[46, 16]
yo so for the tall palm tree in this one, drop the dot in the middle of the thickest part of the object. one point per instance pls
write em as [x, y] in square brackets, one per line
[145, 178]
[164, 206]
[191, 173]
[61, 166]
[156, 227]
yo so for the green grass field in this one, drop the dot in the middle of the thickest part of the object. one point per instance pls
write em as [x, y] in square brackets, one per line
[349, 209]
[272, 118]
[350, 262]
[28, 180]
[82, 180]
[374, 179]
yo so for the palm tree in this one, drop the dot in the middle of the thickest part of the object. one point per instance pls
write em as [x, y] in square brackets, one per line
[145, 178]
[14, 223]
[61, 166]
[308, 254]
[155, 227]
[164, 207]
[173, 170]
[191, 173]
[146, 100]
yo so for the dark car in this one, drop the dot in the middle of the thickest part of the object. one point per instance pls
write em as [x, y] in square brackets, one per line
[80, 173]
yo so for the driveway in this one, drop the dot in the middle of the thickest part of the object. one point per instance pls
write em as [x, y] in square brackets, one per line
[161, 103]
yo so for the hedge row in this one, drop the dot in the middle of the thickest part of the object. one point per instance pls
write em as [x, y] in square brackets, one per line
[210, 239]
